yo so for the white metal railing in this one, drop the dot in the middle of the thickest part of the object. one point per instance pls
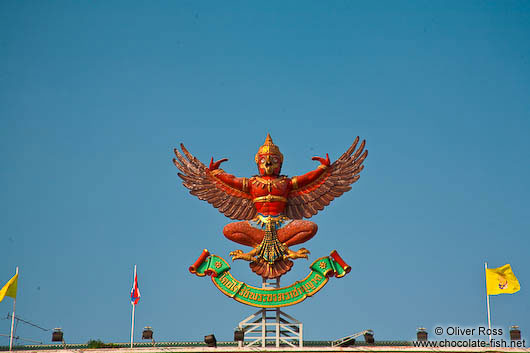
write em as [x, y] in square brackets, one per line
[340, 341]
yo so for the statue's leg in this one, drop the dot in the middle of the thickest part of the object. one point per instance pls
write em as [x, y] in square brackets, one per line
[243, 233]
[297, 232]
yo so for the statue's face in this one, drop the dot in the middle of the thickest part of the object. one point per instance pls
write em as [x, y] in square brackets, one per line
[269, 164]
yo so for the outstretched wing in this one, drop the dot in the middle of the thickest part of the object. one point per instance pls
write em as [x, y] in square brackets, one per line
[233, 203]
[336, 180]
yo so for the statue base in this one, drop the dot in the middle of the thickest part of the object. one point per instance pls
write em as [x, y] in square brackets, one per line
[271, 325]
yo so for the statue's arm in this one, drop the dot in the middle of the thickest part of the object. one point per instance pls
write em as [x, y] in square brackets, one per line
[240, 184]
[306, 179]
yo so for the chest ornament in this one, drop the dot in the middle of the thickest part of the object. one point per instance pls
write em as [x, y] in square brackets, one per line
[268, 184]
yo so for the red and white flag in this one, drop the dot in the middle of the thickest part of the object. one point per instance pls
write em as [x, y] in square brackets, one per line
[135, 292]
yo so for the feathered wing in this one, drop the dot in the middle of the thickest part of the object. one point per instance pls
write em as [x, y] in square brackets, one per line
[336, 180]
[233, 203]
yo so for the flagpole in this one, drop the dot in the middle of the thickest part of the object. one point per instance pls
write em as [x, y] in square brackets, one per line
[13, 317]
[487, 299]
[134, 306]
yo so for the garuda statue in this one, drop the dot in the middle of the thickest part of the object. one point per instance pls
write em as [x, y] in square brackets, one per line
[270, 206]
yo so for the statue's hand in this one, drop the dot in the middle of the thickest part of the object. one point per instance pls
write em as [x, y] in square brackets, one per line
[214, 166]
[322, 160]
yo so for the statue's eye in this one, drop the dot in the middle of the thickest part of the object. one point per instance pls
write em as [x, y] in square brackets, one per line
[275, 160]
[262, 160]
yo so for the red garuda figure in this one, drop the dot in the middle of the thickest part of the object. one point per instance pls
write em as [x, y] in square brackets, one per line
[271, 206]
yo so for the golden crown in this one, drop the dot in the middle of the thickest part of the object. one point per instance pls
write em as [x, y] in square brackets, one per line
[269, 148]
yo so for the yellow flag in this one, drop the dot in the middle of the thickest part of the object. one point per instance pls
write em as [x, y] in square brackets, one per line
[501, 280]
[10, 289]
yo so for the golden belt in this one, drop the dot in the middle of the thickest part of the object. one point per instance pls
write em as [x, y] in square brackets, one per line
[275, 221]
[270, 198]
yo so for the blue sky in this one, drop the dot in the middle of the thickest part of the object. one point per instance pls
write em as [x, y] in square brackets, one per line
[95, 95]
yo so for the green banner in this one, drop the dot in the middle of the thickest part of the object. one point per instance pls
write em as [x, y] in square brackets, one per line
[218, 269]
